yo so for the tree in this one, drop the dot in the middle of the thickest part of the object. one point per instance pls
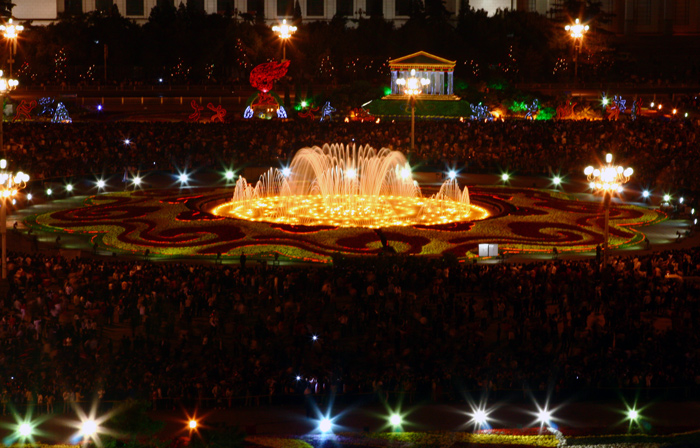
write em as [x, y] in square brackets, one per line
[6, 8]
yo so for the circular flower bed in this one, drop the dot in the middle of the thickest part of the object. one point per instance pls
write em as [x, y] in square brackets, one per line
[177, 223]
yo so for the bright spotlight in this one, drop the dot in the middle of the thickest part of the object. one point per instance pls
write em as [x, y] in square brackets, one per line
[136, 180]
[183, 178]
[286, 171]
[229, 175]
[351, 173]
[192, 424]
[303, 104]
[100, 183]
[605, 101]
[25, 430]
[620, 189]
[405, 173]
[99, 107]
[452, 174]
[681, 200]
[325, 425]
[69, 187]
[633, 414]
[505, 177]
[667, 197]
[29, 196]
[556, 180]
[88, 428]
[395, 420]
[645, 193]
[49, 192]
[652, 104]
[480, 417]
[298, 378]
[544, 416]
[314, 338]
[127, 141]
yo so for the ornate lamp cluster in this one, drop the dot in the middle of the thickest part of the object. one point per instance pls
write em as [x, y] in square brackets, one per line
[284, 31]
[577, 29]
[608, 178]
[10, 184]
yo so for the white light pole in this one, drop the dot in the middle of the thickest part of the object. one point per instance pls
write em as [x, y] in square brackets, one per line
[284, 32]
[607, 180]
[11, 33]
[413, 86]
[5, 86]
[576, 31]
[10, 184]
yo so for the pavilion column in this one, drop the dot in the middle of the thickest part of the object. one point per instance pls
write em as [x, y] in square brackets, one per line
[394, 86]
[450, 83]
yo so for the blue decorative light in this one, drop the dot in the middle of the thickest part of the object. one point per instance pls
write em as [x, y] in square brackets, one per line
[620, 103]
[248, 112]
[61, 115]
[326, 112]
[533, 109]
[481, 112]
[281, 113]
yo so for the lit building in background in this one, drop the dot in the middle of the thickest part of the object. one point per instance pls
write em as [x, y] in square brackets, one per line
[672, 17]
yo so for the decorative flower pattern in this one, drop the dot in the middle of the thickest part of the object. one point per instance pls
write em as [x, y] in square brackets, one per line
[172, 222]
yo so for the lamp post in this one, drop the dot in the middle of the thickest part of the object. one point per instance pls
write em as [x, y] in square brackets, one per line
[284, 32]
[11, 33]
[10, 184]
[576, 31]
[5, 86]
[413, 86]
[607, 180]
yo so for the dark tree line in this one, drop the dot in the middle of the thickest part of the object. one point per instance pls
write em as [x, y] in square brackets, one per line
[185, 45]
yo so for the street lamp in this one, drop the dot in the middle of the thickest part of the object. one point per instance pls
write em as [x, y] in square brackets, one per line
[606, 180]
[284, 32]
[5, 86]
[413, 86]
[576, 31]
[10, 184]
[11, 33]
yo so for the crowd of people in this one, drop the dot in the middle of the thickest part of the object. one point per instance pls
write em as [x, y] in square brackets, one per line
[251, 334]
[227, 335]
[664, 154]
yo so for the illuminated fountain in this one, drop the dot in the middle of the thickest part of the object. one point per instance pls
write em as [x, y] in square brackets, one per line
[347, 186]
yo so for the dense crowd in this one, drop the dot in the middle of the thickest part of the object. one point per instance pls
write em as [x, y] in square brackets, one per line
[664, 154]
[244, 334]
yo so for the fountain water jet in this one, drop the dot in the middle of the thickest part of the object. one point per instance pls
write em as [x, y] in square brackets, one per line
[347, 186]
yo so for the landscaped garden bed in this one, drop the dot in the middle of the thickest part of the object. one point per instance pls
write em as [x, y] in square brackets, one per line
[177, 223]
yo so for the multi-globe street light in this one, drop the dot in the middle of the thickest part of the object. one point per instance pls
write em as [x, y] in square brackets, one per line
[607, 180]
[413, 87]
[10, 184]
[11, 33]
[284, 31]
[576, 30]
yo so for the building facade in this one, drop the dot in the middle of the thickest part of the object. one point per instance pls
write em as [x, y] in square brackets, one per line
[644, 17]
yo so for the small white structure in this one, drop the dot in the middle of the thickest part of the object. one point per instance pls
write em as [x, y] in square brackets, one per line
[488, 250]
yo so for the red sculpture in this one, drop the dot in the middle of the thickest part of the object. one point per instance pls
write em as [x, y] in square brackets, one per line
[197, 111]
[24, 110]
[613, 112]
[264, 75]
[308, 113]
[219, 113]
[566, 110]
